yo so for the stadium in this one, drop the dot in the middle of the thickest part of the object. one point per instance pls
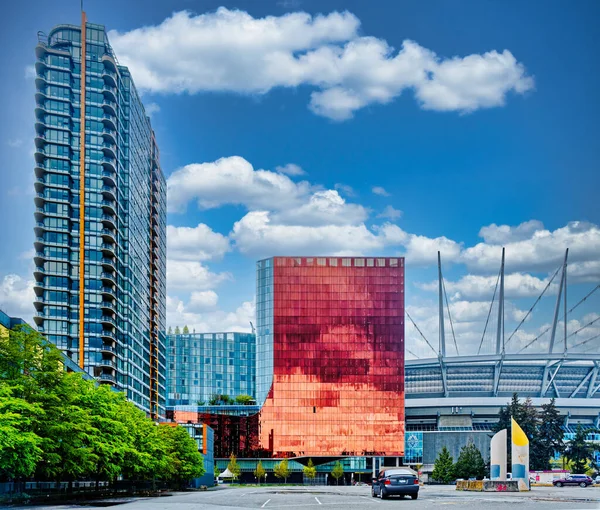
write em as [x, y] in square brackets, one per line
[453, 399]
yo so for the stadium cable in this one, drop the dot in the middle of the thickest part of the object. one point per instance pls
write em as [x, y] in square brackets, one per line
[489, 314]
[450, 317]
[420, 332]
[583, 342]
[531, 309]
[412, 353]
[535, 339]
[583, 327]
[591, 292]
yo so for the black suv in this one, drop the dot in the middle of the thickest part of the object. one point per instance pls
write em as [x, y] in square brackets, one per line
[399, 481]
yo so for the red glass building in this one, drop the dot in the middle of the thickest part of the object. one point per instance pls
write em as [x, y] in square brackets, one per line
[330, 356]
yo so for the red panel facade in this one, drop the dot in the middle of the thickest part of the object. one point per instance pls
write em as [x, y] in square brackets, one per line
[338, 358]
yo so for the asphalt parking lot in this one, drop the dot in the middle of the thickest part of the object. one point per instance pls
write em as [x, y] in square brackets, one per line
[271, 498]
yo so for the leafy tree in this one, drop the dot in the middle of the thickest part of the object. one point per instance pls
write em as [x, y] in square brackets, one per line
[184, 459]
[244, 400]
[177, 330]
[310, 471]
[470, 463]
[443, 469]
[579, 451]
[282, 470]
[550, 435]
[170, 331]
[201, 403]
[19, 446]
[260, 472]
[338, 471]
[186, 330]
[234, 467]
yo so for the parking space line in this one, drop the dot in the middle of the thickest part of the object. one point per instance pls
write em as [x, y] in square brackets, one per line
[265, 503]
[318, 500]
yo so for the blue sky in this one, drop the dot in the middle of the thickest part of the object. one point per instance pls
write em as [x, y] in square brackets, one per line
[476, 123]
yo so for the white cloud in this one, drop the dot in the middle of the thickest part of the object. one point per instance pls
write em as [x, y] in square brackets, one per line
[232, 180]
[290, 169]
[390, 213]
[255, 234]
[180, 314]
[345, 189]
[196, 243]
[323, 208]
[378, 190]
[543, 250]
[420, 250]
[17, 296]
[192, 276]
[516, 285]
[201, 301]
[502, 234]
[230, 51]
[152, 108]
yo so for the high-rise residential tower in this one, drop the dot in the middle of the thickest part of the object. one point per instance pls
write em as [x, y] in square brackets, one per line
[100, 234]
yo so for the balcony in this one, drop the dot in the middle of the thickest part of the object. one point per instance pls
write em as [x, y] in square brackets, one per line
[110, 121]
[110, 134]
[110, 92]
[110, 106]
[110, 192]
[110, 205]
[108, 348]
[108, 305]
[110, 220]
[107, 363]
[108, 291]
[110, 77]
[107, 378]
[110, 150]
[110, 262]
[108, 248]
[108, 234]
[108, 320]
[108, 276]
[108, 334]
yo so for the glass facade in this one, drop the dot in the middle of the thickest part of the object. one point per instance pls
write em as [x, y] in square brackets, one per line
[333, 331]
[205, 364]
[100, 234]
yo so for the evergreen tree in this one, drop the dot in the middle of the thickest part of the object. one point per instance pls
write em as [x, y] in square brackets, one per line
[177, 330]
[338, 471]
[550, 435]
[260, 472]
[170, 331]
[578, 451]
[470, 463]
[310, 471]
[186, 330]
[443, 469]
[282, 470]
[234, 467]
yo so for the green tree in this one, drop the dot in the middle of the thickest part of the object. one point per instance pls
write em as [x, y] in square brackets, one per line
[234, 467]
[184, 460]
[186, 330]
[244, 400]
[443, 469]
[579, 451]
[550, 435]
[170, 331]
[19, 446]
[177, 330]
[310, 471]
[282, 470]
[338, 471]
[470, 463]
[260, 472]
